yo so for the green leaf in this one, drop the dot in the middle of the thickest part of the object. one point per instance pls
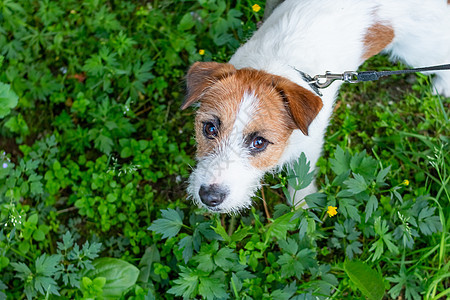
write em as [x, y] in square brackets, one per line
[367, 280]
[348, 208]
[286, 293]
[38, 235]
[22, 269]
[186, 244]
[8, 99]
[46, 265]
[225, 258]
[17, 124]
[33, 219]
[240, 234]
[186, 22]
[341, 162]
[186, 285]
[205, 262]
[120, 275]
[357, 184]
[371, 206]
[212, 288]
[104, 143]
[290, 246]
[170, 223]
[299, 176]
[280, 227]
[382, 175]
[150, 256]
[220, 230]
[353, 248]
[46, 285]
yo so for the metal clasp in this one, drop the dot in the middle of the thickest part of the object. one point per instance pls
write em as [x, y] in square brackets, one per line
[351, 77]
[329, 77]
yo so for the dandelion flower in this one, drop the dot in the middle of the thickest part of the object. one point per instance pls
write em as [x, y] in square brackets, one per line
[256, 8]
[201, 52]
[332, 211]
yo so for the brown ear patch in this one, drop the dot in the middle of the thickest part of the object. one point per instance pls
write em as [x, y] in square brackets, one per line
[377, 37]
[303, 104]
[202, 75]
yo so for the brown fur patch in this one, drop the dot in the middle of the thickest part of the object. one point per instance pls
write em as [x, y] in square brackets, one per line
[202, 75]
[377, 37]
[281, 107]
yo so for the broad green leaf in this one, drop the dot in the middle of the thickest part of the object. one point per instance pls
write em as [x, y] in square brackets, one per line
[367, 280]
[186, 22]
[120, 275]
[38, 235]
[150, 256]
[8, 99]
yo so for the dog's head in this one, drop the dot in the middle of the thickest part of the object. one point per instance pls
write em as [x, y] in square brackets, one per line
[242, 127]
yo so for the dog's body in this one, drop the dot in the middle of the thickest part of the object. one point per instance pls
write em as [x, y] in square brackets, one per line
[257, 113]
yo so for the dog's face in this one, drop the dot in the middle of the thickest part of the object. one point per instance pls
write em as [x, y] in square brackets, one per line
[242, 127]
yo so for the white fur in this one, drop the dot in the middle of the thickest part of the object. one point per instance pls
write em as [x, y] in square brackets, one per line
[316, 36]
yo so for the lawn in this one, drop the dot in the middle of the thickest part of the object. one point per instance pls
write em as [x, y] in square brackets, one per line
[95, 154]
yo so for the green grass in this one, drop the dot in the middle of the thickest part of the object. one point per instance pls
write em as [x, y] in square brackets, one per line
[95, 154]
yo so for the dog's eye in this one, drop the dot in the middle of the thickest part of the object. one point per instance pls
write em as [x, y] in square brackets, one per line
[259, 144]
[210, 130]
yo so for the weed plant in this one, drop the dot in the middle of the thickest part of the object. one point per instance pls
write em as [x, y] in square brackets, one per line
[95, 153]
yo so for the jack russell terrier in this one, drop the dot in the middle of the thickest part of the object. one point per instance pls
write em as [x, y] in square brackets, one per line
[257, 113]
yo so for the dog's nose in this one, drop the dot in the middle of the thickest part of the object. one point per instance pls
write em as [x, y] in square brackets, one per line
[212, 195]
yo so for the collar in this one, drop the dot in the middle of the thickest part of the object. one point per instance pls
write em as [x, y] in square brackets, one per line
[310, 81]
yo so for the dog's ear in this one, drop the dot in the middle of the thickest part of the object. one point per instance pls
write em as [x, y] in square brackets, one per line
[202, 75]
[303, 104]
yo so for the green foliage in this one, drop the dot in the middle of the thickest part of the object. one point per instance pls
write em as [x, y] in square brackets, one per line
[94, 156]
[8, 99]
[112, 276]
[368, 281]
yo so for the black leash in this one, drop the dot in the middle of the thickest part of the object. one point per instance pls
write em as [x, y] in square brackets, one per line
[323, 81]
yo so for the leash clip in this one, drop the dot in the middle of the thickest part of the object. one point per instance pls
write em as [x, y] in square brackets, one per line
[349, 76]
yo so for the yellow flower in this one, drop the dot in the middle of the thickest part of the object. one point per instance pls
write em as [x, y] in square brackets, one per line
[256, 7]
[405, 182]
[332, 211]
[201, 52]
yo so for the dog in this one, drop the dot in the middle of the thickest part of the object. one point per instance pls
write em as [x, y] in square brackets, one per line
[257, 113]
